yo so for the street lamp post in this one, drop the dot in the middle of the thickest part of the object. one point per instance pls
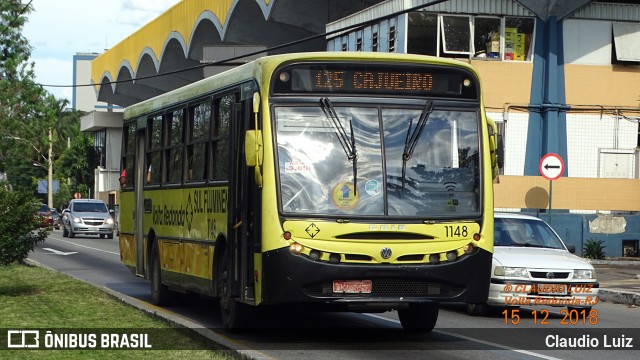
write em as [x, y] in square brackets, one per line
[47, 161]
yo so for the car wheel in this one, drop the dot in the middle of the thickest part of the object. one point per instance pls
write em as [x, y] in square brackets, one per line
[479, 309]
[579, 309]
[110, 236]
[71, 234]
[65, 233]
[419, 317]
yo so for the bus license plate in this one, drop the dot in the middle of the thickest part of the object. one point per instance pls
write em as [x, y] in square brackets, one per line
[352, 286]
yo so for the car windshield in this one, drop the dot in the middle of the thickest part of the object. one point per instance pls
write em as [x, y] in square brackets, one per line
[525, 232]
[378, 161]
[89, 207]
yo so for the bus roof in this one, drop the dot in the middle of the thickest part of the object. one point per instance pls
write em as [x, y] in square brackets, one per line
[261, 70]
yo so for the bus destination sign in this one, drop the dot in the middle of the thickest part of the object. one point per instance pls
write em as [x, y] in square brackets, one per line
[378, 79]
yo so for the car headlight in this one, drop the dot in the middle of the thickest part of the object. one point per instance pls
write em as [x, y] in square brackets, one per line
[584, 274]
[77, 220]
[109, 221]
[510, 272]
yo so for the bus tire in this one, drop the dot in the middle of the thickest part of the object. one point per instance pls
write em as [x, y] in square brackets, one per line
[235, 315]
[419, 317]
[160, 293]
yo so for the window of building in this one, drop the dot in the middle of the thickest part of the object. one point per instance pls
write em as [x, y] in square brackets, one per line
[374, 38]
[174, 153]
[518, 38]
[220, 139]
[422, 33]
[456, 34]
[359, 40]
[626, 43]
[99, 144]
[153, 163]
[486, 37]
[392, 39]
[197, 148]
[501, 38]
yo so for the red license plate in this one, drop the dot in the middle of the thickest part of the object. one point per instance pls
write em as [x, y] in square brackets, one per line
[352, 286]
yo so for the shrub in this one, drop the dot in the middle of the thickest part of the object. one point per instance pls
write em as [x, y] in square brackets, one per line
[593, 249]
[20, 229]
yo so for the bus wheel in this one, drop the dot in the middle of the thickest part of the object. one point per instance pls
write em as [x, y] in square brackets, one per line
[235, 315]
[160, 294]
[419, 317]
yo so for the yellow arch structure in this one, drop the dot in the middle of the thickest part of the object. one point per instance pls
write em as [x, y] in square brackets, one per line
[182, 19]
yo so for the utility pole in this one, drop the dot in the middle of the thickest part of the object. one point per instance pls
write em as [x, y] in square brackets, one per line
[50, 171]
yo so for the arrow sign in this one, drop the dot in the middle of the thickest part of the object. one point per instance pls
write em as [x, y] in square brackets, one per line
[551, 166]
[58, 252]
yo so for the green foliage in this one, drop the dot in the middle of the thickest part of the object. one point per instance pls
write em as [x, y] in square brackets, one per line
[20, 229]
[593, 249]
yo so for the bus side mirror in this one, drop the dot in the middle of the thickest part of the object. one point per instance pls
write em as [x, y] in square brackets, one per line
[253, 147]
[496, 148]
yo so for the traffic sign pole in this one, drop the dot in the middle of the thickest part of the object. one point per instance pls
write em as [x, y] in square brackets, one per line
[551, 168]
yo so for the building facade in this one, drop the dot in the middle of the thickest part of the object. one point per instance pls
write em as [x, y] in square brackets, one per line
[563, 79]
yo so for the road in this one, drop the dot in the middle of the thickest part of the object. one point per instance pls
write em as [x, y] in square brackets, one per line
[292, 334]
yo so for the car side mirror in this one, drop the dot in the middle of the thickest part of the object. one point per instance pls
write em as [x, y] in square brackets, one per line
[571, 248]
[112, 212]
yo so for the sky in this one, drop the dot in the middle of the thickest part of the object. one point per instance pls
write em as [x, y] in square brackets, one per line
[57, 30]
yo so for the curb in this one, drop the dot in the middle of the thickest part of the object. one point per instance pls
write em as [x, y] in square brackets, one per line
[619, 296]
[222, 343]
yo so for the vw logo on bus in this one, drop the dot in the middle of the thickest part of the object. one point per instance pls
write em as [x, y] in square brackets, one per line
[385, 252]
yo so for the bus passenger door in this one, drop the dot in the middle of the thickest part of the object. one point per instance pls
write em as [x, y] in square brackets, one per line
[243, 193]
[138, 202]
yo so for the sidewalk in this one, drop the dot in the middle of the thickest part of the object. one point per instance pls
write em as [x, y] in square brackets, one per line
[619, 280]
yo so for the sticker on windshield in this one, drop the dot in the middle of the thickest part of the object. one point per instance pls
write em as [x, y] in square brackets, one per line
[373, 187]
[292, 167]
[344, 196]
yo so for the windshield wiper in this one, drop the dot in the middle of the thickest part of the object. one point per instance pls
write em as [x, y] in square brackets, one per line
[348, 143]
[412, 138]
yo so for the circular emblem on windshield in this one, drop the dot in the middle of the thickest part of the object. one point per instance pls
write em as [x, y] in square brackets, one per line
[385, 252]
[550, 275]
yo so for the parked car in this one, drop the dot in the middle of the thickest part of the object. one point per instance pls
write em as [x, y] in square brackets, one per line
[87, 217]
[533, 267]
[61, 217]
[55, 218]
[44, 214]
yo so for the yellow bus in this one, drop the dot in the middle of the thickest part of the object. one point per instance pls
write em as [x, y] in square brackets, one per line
[341, 181]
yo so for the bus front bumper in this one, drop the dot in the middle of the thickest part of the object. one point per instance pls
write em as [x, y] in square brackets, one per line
[289, 278]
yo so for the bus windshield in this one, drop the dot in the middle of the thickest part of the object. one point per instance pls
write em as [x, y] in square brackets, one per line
[375, 174]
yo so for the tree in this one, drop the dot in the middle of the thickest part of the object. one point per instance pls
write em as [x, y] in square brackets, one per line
[20, 230]
[22, 108]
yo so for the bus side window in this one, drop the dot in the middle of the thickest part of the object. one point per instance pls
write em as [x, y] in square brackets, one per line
[174, 153]
[197, 148]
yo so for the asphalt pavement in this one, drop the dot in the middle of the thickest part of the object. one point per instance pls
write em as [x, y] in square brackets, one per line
[619, 280]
